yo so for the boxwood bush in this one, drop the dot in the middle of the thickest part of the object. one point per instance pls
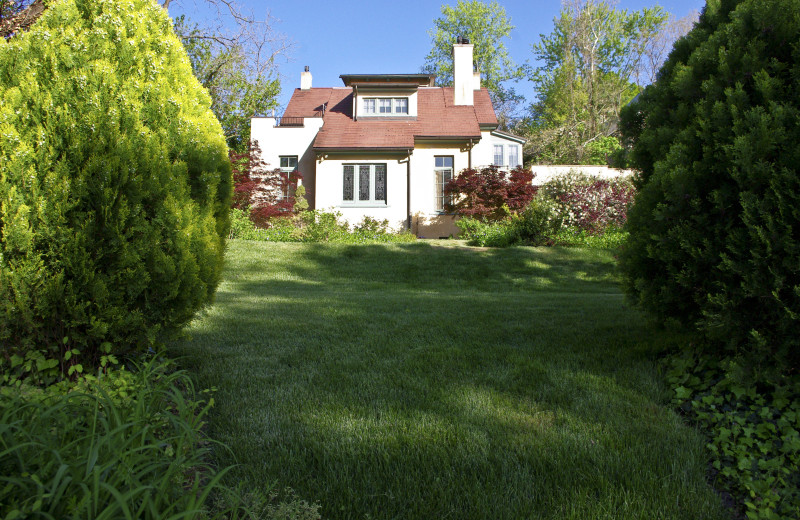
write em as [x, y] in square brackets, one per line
[114, 182]
[714, 238]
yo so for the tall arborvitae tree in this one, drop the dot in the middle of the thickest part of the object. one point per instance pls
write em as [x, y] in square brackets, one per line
[115, 183]
[714, 230]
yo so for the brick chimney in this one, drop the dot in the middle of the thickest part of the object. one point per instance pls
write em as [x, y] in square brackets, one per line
[463, 78]
[305, 80]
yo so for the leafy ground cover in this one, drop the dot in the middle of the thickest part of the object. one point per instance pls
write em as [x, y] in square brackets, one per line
[416, 381]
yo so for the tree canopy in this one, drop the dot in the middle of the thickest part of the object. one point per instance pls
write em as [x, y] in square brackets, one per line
[235, 56]
[487, 26]
[589, 63]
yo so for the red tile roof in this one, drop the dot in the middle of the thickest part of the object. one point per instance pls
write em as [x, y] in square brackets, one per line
[437, 118]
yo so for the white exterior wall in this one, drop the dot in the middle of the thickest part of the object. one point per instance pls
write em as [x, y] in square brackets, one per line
[329, 189]
[545, 173]
[427, 222]
[277, 141]
[483, 152]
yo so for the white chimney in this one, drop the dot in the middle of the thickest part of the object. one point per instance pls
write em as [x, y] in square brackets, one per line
[463, 79]
[476, 80]
[305, 80]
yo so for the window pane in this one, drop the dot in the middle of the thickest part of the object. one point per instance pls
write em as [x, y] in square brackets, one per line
[380, 182]
[293, 162]
[363, 182]
[369, 106]
[448, 162]
[442, 178]
[513, 155]
[401, 105]
[498, 155]
[284, 162]
[385, 105]
[347, 182]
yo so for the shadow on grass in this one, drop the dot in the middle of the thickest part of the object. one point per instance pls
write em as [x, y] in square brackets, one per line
[422, 382]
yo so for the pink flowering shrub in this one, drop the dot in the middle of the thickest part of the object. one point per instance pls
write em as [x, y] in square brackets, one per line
[591, 204]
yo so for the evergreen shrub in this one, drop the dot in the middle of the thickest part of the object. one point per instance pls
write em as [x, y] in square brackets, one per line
[715, 230]
[115, 183]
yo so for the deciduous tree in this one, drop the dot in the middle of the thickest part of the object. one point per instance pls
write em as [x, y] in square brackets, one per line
[487, 26]
[235, 55]
[490, 193]
[589, 64]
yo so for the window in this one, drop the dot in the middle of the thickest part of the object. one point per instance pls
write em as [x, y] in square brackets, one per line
[364, 184]
[498, 155]
[443, 166]
[288, 165]
[401, 106]
[385, 106]
[513, 156]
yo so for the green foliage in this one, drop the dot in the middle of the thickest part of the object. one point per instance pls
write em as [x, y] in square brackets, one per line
[316, 226]
[119, 445]
[114, 182]
[534, 225]
[610, 238]
[602, 149]
[502, 233]
[589, 63]
[713, 232]
[753, 429]
[486, 26]
[300, 202]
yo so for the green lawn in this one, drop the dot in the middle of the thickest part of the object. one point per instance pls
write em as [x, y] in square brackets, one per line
[419, 381]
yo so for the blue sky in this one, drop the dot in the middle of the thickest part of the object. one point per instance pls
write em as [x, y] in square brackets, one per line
[369, 37]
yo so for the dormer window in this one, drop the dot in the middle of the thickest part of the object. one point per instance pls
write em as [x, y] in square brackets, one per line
[386, 106]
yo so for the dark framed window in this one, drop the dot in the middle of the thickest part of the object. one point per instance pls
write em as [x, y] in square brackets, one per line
[364, 184]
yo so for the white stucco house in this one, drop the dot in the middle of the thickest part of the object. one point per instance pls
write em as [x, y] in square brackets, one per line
[384, 145]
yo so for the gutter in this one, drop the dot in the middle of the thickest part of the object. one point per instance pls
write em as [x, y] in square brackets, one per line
[408, 189]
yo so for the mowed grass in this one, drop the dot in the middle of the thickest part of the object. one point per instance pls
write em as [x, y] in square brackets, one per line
[418, 381]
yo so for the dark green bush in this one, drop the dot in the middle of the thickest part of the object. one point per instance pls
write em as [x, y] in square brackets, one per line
[114, 182]
[714, 232]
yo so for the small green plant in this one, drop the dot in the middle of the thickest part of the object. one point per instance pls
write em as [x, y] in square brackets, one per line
[753, 428]
[121, 444]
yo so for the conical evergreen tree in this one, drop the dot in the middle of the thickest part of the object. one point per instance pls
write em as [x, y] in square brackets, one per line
[114, 181]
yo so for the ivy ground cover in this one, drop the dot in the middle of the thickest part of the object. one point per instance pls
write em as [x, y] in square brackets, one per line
[424, 381]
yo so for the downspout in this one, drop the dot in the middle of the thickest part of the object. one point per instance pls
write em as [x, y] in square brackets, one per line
[469, 155]
[355, 101]
[408, 190]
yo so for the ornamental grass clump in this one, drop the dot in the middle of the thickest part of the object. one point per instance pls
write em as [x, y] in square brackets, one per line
[115, 183]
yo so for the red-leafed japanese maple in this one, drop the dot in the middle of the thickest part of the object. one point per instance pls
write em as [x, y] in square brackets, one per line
[490, 193]
[261, 191]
